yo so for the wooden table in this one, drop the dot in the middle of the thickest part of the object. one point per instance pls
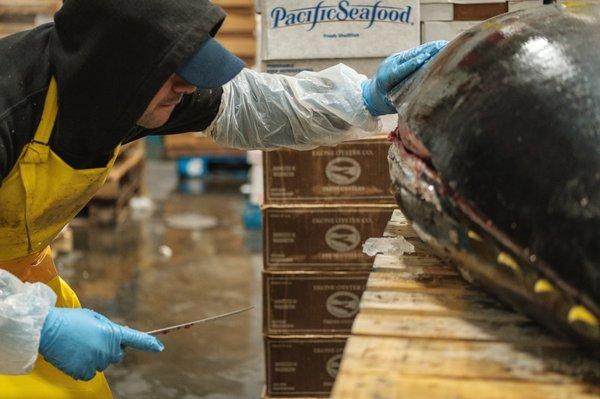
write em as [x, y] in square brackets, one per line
[423, 332]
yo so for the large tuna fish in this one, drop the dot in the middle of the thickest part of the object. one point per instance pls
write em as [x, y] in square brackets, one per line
[496, 160]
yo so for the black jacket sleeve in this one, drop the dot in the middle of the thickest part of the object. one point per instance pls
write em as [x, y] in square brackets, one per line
[194, 114]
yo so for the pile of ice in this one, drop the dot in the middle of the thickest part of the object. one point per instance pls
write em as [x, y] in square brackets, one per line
[388, 246]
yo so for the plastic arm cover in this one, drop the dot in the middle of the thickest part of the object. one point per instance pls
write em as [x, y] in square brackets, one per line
[263, 111]
[23, 310]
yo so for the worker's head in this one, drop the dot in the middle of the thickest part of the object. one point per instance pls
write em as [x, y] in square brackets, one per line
[210, 67]
[163, 103]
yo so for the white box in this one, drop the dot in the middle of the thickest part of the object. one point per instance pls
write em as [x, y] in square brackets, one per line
[305, 29]
[516, 5]
[366, 66]
[475, 1]
[435, 30]
[437, 11]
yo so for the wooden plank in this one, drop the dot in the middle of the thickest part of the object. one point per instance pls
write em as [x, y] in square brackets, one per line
[7, 29]
[399, 227]
[400, 325]
[239, 21]
[113, 187]
[423, 332]
[395, 281]
[467, 359]
[30, 6]
[390, 384]
[240, 45]
[473, 305]
[194, 144]
[398, 217]
[232, 4]
[414, 266]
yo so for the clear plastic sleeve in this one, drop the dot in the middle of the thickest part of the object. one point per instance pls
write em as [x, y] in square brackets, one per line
[311, 109]
[23, 310]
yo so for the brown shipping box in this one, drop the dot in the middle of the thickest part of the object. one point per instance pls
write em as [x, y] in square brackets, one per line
[305, 366]
[311, 302]
[478, 12]
[352, 172]
[327, 237]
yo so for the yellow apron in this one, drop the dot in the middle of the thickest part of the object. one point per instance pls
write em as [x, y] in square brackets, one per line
[37, 199]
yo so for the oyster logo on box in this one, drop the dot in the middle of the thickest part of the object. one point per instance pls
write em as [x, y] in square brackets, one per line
[342, 237]
[342, 304]
[333, 365]
[343, 11]
[343, 170]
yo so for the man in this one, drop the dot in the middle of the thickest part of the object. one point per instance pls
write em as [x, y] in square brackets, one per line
[107, 73]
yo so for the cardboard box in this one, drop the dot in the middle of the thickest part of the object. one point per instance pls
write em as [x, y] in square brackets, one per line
[437, 30]
[478, 12]
[450, 11]
[302, 366]
[325, 237]
[460, 1]
[305, 29]
[437, 11]
[352, 172]
[366, 66]
[311, 302]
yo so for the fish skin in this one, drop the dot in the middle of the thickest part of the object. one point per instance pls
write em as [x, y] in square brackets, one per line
[509, 113]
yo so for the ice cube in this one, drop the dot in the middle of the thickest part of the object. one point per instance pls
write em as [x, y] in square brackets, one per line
[388, 246]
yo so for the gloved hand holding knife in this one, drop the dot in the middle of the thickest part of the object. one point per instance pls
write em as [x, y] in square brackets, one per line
[80, 342]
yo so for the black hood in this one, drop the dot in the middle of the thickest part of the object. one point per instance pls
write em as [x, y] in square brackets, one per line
[110, 57]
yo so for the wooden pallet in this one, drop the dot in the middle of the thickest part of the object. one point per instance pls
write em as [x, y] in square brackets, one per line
[423, 332]
[237, 32]
[110, 205]
[29, 6]
[20, 15]
[195, 144]
[63, 243]
[120, 181]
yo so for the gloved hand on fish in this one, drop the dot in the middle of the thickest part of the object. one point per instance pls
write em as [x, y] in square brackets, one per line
[496, 161]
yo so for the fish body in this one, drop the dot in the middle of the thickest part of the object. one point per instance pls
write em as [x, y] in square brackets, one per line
[496, 161]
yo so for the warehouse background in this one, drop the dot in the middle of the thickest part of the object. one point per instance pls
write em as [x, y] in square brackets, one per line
[185, 229]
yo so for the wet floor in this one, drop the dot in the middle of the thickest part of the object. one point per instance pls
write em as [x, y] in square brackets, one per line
[130, 275]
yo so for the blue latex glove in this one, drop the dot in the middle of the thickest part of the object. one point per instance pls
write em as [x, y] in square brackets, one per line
[80, 342]
[392, 71]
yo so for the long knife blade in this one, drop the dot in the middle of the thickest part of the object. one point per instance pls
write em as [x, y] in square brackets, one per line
[167, 330]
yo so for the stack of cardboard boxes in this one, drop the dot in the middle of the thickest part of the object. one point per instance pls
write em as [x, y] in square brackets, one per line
[320, 206]
[446, 19]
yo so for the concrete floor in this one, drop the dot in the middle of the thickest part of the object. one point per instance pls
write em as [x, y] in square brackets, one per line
[123, 274]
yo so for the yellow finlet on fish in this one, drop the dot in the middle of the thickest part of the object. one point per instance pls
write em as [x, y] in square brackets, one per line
[474, 236]
[507, 260]
[580, 313]
[542, 286]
